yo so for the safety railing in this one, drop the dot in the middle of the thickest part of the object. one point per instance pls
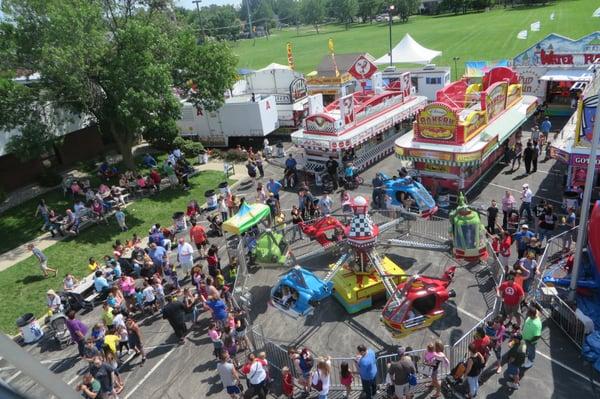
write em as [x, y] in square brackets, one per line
[424, 371]
[460, 349]
[557, 248]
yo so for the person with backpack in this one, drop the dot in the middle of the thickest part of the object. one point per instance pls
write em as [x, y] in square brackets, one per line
[367, 369]
[321, 378]
[402, 373]
[475, 365]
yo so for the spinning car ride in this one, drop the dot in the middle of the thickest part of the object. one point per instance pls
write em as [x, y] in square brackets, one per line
[404, 190]
[417, 303]
[326, 230]
[298, 292]
[468, 233]
[271, 248]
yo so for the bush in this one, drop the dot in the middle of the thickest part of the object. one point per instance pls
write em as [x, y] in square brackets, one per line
[235, 156]
[216, 153]
[49, 178]
[188, 147]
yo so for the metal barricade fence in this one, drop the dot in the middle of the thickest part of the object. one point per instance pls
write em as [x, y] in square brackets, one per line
[555, 251]
[460, 350]
[335, 381]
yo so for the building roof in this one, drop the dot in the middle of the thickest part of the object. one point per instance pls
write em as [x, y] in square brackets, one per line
[343, 61]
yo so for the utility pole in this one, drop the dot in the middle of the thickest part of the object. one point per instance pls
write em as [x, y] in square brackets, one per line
[197, 2]
[585, 204]
[390, 9]
[249, 18]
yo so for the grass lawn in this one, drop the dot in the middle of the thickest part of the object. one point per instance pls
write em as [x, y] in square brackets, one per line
[24, 226]
[478, 36]
[22, 287]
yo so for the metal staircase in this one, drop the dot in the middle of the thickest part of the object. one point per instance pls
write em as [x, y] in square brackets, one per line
[388, 281]
[338, 265]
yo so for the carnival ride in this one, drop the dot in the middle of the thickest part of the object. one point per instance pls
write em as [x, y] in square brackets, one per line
[247, 217]
[271, 248]
[327, 230]
[360, 277]
[407, 188]
[468, 233]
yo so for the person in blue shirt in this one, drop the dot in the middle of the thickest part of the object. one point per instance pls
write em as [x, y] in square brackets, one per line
[522, 239]
[349, 172]
[218, 309]
[100, 283]
[157, 254]
[273, 186]
[546, 126]
[149, 161]
[367, 369]
[378, 192]
[291, 163]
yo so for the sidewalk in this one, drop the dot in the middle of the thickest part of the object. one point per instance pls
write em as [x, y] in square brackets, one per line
[45, 240]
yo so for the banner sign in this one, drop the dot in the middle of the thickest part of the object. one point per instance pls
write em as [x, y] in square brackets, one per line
[559, 50]
[437, 121]
[298, 89]
[494, 100]
[346, 105]
[362, 68]
[588, 115]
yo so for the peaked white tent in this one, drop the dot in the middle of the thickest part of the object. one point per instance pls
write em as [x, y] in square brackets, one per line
[410, 52]
[274, 65]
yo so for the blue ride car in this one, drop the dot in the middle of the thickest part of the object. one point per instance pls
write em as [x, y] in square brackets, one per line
[299, 291]
[397, 188]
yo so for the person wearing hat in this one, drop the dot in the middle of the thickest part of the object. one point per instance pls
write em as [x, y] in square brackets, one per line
[399, 372]
[526, 197]
[54, 303]
[522, 238]
[516, 358]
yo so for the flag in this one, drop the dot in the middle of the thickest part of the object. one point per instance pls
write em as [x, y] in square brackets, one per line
[332, 52]
[522, 35]
[290, 56]
[535, 27]
[552, 17]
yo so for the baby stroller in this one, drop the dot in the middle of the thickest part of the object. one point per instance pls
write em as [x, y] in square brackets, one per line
[327, 182]
[75, 301]
[179, 221]
[215, 226]
[57, 329]
[454, 386]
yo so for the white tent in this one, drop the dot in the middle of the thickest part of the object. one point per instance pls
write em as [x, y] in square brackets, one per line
[410, 52]
[274, 65]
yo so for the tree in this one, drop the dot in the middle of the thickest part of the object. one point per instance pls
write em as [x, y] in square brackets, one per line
[406, 8]
[115, 62]
[344, 10]
[288, 11]
[368, 9]
[313, 12]
[220, 22]
[264, 16]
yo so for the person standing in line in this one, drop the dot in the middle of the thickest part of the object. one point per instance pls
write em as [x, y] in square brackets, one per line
[532, 332]
[492, 214]
[516, 358]
[508, 204]
[526, 198]
[42, 259]
[511, 294]
[570, 223]
[199, 238]
[332, 167]
[222, 207]
[296, 220]
[534, 156]
[135, 338]
[185, 256]
[531, 266]
[174, 312]
[399, 373]
[505, 243]
[475, 365]
[367, 369]
[322, 377]
[78, 330]
[229, 375]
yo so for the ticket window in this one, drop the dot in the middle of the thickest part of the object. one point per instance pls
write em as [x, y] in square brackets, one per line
[559, 93]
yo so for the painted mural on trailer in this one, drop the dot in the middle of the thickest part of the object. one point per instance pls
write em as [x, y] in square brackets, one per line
[554, 51]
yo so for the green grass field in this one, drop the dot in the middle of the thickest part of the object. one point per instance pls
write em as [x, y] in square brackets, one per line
[22, 286]
[478, 36]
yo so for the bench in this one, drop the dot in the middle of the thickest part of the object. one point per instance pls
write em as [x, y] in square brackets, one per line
[85, 285]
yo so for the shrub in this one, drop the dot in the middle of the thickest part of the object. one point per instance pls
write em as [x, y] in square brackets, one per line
[188, 147]
[49, 178]
[216, 153]
[235, 156]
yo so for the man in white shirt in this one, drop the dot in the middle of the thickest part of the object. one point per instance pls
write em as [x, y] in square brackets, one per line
[526, 197]
[185, 256]
[257, 376]
[149, 297]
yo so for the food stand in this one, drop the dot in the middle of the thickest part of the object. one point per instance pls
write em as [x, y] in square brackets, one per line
[556, 70]
[364, 124]
[460, 136]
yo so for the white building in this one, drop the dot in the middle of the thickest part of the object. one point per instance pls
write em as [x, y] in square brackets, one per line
[425, 81]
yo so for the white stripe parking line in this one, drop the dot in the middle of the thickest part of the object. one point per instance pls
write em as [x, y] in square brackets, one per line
[518, 191]
[149, 373]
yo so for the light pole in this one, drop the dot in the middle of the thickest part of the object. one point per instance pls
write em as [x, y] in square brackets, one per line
[197, 2]
[390, 9]
[455, 59]
[249, 18]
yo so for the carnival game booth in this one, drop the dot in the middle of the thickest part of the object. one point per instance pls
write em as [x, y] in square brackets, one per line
[572, 146]
[460, 136]
[556, 70]
[360, 127]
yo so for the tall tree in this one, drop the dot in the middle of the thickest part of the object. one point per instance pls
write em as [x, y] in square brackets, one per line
[344, 10]
[288, 11]
[406, 8]
[313, 12]
[368, 9]
[113, 61]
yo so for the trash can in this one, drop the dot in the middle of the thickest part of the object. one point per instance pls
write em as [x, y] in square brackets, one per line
[224, 189]
[570, 200]
[211, 200]
[279, 152]
[30, 328]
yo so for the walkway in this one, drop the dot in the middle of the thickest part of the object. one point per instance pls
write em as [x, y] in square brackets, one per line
[45, 240]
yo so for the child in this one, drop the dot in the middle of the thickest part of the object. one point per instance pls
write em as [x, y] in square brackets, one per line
[288, 382]
[120, 216]
[139, 299]
[117, 382]
[93, 265]
[171, 273]
[98, 332]
[123, 340]
[219, 280]
[160, 294]
[496, 330]
[111, 300]
[516, 359]
[215, 337]
[346, 378]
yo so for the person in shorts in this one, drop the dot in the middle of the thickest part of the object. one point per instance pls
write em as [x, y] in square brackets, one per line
[512, 294]
[399, 373]
[229, 375]
[42, 259]
[516, 358]
[185, 256]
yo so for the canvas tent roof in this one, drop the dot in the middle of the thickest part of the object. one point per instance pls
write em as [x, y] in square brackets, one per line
[410, 52]
[343, 61]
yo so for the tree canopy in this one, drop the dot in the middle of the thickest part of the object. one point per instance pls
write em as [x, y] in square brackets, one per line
[116, 62]
[313, 12]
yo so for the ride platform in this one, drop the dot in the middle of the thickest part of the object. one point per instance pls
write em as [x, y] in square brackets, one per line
[358, 291]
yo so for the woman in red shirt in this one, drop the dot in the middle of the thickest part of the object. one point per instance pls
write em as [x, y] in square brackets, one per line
[505, 243]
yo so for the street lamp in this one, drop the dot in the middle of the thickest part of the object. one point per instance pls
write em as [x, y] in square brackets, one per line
[455, 59]
[390, 9]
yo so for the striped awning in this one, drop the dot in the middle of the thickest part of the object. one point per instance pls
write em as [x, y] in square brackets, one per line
[434, 161]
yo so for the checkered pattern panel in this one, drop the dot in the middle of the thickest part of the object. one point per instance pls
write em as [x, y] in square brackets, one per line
[361, 226]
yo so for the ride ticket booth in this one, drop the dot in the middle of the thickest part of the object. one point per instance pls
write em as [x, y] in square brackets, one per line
[556, 70]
